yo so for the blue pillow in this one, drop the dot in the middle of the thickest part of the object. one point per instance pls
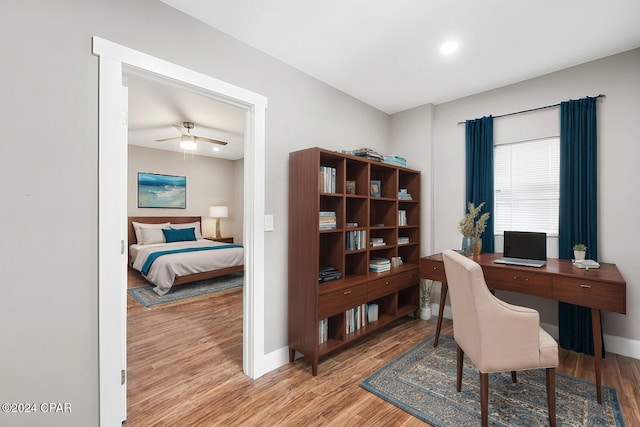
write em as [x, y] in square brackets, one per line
[179, 234]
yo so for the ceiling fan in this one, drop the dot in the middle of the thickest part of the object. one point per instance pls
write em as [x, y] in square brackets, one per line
[187, 140]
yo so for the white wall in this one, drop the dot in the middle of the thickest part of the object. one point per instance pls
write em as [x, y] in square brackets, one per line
[618, 151]
[50, 89]
[210, 182]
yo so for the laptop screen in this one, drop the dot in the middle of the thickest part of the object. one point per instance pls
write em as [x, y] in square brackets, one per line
[525, 244]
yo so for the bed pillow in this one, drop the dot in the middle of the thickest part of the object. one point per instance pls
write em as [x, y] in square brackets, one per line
[138, 226]
[151, 236]
[181, 235]
[194, 225]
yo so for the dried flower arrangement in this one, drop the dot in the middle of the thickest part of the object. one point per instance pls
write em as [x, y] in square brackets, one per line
[469, 226]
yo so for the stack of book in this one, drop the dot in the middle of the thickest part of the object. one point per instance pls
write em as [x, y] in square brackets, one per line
[379, 265]
[403, 240]
[402, 217]
[328, 221]
[404, 195]
[376, 242]
[327, 274]
[356, 240]
[327, 179]
[369, 154]
[395, 160]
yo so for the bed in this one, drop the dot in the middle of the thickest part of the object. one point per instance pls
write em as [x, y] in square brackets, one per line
[182, 260]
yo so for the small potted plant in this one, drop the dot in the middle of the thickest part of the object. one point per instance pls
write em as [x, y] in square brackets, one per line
[579, 251]
[472, 229]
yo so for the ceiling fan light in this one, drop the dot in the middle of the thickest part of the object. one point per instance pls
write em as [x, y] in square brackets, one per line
[188, 142]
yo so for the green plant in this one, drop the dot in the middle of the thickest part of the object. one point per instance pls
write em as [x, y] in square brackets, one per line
[579, 247]
[469, 226]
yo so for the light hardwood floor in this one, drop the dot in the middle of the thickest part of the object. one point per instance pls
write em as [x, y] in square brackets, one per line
[185, 369]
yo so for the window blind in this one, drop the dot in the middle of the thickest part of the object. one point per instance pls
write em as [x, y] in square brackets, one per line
[527, 186]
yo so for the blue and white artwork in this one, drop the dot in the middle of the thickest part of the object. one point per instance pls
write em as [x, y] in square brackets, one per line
[162, 191]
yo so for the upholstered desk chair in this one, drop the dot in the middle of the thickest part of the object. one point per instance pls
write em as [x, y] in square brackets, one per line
[496, 336]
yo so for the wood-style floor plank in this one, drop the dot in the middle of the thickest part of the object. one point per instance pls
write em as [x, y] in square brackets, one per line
[185, 369]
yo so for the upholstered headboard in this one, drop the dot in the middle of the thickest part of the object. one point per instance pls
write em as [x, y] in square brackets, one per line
[131, 235]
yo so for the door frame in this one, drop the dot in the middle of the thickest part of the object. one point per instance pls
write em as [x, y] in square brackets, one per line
[114, 59]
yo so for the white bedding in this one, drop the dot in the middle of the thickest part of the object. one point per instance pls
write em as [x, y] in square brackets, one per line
[167, 267]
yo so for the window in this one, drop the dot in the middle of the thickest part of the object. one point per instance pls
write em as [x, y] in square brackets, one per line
[527, 186]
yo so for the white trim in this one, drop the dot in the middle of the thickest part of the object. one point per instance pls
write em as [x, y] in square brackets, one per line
[112, 59]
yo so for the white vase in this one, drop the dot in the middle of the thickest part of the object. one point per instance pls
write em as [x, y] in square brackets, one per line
[425, 313]
[579, 255]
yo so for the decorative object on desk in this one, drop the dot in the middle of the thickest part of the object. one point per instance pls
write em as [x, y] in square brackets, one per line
[218, 212]
[476, 245]
[422, 382]
[375, 188]
[472, 228]
[579, 251]
[425, 298]
[586, 264]
[161, 191]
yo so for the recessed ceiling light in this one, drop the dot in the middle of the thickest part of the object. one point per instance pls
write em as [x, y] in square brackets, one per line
[449, 47]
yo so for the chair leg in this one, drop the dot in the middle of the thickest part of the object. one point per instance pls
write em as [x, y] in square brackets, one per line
[514, 378]
[551, 395]
[459, 362]
[484, 398]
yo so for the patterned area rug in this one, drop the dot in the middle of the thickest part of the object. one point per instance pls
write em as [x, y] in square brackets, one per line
[147, 297]
[423, 383]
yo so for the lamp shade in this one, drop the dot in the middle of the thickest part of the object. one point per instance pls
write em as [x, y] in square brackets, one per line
[218, 211]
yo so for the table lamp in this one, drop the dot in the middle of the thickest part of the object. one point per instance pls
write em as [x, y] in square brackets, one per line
[218, 212]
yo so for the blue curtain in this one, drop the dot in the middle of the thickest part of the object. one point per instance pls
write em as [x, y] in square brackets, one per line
[479, 168]
[578, 209]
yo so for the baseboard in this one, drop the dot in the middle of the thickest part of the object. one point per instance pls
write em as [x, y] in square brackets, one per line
[276, 359]
[613, 344]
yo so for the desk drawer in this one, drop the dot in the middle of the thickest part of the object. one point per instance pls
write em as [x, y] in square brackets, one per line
[432, 270]
[517, 280]
[593, 294]
[390, 284]
[342, 300]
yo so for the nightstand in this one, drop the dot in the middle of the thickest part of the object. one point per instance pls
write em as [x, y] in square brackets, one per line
[221, 239]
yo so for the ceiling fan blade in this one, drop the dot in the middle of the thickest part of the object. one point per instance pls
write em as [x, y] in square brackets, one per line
[183, 130]
[213, 141]
[167, 139]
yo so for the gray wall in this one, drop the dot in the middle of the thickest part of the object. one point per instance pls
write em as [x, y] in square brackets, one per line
[49, 112]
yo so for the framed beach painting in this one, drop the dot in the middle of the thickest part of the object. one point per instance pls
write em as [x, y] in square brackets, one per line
[162, 191]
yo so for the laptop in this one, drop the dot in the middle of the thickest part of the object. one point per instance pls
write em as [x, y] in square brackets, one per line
[525, 248]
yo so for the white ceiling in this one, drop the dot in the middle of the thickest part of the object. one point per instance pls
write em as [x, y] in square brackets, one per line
[386, 53]
[155, 105]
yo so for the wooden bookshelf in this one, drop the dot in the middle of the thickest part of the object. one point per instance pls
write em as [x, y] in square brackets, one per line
[396, 292]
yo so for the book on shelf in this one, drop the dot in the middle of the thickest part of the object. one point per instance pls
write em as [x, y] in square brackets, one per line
[323, 330]
[351, 224]
[372, 312]
[379, 265]
[355, 318]
[403, 194]
[356, 240]
[377, 242]
[327, 274]
[328, 221]
[402, 240]
[402, 217]
[327, 179]
[393, 159]
[368, 153]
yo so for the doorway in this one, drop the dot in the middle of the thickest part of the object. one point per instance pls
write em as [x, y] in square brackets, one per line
[114, 60]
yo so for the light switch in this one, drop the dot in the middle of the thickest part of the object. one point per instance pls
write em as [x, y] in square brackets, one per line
[268, 223]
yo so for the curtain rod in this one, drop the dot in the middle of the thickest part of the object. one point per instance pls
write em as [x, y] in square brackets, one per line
[531, 109]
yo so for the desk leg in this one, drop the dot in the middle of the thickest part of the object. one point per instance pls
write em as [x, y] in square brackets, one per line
[597, 349]
[443, 299]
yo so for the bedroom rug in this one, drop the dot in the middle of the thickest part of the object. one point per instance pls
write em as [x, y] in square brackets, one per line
[148, 298]
[422, 382]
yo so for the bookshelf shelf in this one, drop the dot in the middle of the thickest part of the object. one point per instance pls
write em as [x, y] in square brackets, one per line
[350, 200]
